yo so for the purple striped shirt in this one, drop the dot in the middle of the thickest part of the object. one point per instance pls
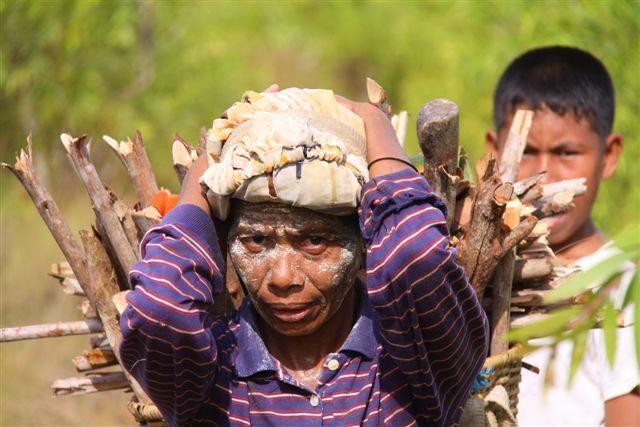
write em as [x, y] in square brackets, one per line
[418, 342]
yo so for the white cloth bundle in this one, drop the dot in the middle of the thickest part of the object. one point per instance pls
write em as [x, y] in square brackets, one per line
[297, 147]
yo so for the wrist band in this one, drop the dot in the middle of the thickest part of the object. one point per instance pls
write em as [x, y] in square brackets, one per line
[406, 162]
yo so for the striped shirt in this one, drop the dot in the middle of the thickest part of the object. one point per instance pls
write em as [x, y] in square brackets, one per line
[418, 342]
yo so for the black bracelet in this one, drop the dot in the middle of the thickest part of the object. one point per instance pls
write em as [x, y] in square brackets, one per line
[406, 162]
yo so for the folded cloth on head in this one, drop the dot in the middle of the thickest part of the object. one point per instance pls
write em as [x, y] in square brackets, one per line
[297, 147]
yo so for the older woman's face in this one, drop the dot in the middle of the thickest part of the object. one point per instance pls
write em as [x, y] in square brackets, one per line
[298, 265]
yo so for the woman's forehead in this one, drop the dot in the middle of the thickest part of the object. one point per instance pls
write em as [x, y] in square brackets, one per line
[272, 214]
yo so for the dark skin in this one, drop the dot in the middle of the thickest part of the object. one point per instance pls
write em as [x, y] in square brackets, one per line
[306, 308]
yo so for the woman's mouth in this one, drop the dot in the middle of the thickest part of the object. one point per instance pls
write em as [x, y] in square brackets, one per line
[291, 313]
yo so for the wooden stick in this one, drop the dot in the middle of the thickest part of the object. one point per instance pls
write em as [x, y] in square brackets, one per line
[377, 96]
[104, 287]
[502, 280]
[95, 358]
[399, 122]
[47, 330]
[88, 309]
[511, 154]
[77, 151]
[49, 211]
[61, 269]
[70, 285]
[182, 154]
[528, 189]
[532, 269]
[134, 157]
[145, 219]
[89, 384]
[437, 127]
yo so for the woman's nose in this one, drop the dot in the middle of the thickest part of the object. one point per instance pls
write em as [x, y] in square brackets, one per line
[284, 271]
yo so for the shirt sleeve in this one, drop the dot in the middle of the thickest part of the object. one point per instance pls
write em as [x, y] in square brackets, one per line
[168, 345]
[431, 322]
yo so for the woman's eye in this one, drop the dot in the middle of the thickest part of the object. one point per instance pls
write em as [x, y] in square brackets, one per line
[255, 243]
[313, 244]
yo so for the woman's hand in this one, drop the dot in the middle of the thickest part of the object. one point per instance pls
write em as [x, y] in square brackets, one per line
[192, 192]
[382, 141]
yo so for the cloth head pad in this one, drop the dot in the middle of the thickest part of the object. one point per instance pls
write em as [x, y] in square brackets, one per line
[297, 147]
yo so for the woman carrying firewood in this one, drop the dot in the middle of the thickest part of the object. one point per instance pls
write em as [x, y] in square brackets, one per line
[311, 343]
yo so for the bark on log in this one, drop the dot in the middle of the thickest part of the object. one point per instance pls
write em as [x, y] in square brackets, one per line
[529, 188]
[115, 236]
[134, 157]
[49, 211]
[91, 383]
[437, 127]
[49, 330]
[502, 280]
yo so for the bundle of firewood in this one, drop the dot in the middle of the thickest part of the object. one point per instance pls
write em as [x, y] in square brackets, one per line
[494, 225]
[497, 224]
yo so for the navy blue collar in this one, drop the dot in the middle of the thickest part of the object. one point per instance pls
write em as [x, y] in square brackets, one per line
[253, 356]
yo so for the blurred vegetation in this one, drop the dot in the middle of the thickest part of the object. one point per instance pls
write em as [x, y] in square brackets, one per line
[104, 67]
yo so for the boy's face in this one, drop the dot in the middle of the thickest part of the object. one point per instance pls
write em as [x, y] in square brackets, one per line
[298, 265]
[565, 148]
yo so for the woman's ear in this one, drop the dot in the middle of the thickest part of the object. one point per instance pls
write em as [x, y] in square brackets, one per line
[611, 155]
[491, 142]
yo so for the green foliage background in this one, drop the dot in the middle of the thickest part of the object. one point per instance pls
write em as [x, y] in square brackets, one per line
[104, 67]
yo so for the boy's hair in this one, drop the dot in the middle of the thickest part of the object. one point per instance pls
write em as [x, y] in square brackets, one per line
[565, 79]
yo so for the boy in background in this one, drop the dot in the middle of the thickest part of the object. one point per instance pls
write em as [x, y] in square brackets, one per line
[571, 137]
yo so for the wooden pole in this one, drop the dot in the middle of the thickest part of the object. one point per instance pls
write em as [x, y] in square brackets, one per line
[49, 211]
[134, 157]
[50, 330]
[89, 384]
[437, 127]
[78, 153]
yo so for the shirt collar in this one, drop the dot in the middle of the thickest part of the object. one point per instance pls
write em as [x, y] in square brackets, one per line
[361, 339]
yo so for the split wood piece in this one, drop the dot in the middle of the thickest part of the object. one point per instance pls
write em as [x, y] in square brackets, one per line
[145, 219]
[557, 197]
[535, 298]
[95, 358]
[115, 236]
[70, 286]
[61, 268]
[511, 154]
[48, 330]
[104, 287]
[91, 383]
[532, 270]
[378, 97]
[529, 188]
[399, 122]
[49, 211]
[437, 127]
[183, 157]
[521, 320]
[128, 225]
[88, 309]
[202, 142]
[134, 157]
